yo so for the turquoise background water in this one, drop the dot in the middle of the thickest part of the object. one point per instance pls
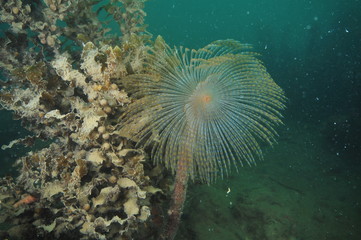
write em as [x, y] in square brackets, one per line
[308, 187]
[311, 48]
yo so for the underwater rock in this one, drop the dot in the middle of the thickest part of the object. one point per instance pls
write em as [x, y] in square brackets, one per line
[87, 180]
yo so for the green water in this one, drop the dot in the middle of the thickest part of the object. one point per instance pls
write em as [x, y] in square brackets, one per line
[311, 48]
[308, 187]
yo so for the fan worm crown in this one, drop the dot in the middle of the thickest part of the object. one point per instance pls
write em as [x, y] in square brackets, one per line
[215, 103]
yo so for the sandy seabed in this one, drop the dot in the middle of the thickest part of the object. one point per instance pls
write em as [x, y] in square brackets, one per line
[302, 190]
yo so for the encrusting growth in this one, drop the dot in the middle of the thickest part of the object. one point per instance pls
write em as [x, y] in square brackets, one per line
[203, 111]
